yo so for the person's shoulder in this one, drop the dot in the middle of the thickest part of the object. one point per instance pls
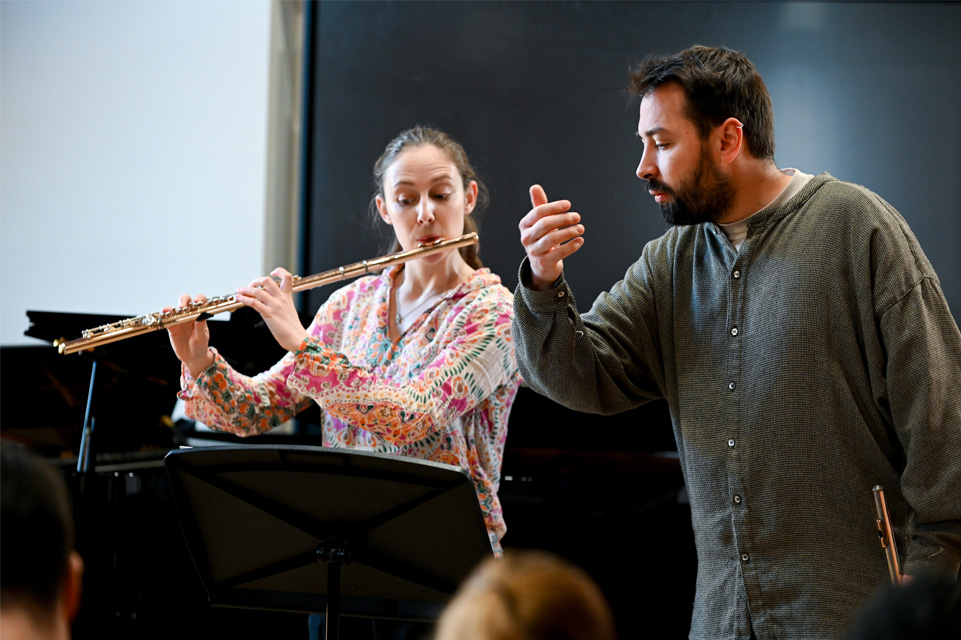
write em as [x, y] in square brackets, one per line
[826, 190]
[844, 207]
[484, 282]
[485, 290]
[854, 215]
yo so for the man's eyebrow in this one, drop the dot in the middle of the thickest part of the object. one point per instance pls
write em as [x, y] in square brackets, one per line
[650, 132]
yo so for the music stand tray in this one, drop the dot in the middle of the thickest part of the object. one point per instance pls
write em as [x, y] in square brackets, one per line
[320, 529]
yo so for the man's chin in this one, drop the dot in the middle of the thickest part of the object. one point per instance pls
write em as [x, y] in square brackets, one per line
[674, 217]
[681, 217]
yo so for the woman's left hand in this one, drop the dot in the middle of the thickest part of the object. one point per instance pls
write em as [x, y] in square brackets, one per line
[275, 304]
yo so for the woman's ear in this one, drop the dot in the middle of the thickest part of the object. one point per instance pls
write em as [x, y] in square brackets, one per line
[73, 586]
[382, 209]
[470, 197]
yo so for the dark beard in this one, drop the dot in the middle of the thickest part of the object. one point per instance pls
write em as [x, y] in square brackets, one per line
[698, 200]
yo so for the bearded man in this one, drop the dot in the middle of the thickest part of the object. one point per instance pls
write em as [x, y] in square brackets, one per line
[800, 338]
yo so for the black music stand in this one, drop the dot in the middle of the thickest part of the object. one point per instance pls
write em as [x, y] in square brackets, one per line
[397, 535]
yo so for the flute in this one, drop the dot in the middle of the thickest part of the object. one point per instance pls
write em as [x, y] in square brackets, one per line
[886, 535]
[105, 334]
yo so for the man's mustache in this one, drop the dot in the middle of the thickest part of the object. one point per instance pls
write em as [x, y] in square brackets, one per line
[654, 185]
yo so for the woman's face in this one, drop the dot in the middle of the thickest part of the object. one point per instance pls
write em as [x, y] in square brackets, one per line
[424, 197]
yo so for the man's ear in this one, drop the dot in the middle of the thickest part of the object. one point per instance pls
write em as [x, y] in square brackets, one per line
[731, 139]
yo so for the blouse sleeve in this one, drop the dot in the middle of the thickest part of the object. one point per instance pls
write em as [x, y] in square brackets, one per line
[226, 400]
[474, 357]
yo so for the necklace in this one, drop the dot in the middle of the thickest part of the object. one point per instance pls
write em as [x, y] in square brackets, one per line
[399, 316]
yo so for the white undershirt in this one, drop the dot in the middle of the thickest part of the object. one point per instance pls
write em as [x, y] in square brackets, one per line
[736, 232]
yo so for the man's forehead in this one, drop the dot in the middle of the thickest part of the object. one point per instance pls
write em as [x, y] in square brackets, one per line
[662, 109]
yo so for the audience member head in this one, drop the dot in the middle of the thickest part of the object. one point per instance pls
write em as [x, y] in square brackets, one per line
[928, 607]
[527, 595]
[41, 574]
[422, 135]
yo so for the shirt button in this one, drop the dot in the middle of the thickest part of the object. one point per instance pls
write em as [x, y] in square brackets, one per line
[732, 386]
[734, 331]
[730, 442]
[737, 499]
[745, 557]
[736, 274]
[560, 294]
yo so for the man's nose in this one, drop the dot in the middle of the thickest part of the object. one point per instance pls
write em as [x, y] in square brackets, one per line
[646, 169]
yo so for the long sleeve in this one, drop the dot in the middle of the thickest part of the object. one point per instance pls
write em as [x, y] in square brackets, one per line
[920, 386]
[604, 361]
[227, 400]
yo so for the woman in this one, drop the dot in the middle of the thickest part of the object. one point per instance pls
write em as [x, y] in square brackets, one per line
[416, 361]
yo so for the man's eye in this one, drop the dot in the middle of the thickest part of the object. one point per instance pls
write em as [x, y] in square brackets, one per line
[662, 145]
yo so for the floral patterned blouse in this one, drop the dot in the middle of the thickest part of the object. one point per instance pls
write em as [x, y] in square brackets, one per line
[442, 392]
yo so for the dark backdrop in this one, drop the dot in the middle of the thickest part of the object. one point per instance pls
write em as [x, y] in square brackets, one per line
[870, 92]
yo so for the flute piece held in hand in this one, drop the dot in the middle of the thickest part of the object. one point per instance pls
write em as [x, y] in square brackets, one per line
[886, 534]
[139, 325]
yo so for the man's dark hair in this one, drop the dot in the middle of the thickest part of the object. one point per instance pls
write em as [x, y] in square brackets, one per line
[719, 83]
[37, 529]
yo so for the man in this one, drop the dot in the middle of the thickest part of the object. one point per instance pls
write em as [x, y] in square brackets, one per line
[40, 572]
[800, 338]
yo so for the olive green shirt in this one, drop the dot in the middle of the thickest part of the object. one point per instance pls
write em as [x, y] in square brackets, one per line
[814, 363]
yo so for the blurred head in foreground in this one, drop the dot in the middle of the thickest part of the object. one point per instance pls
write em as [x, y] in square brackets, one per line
[527, 595]
[928, 607]
[42, 574]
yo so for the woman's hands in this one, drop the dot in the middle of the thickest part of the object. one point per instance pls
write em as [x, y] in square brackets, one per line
[190, 340]
[275, 304]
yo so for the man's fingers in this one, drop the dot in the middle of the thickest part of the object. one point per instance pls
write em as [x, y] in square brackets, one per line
[538, 197]
[554, 239]
[561, 252]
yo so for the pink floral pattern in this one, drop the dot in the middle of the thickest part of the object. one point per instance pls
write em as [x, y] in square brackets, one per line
[442, 392]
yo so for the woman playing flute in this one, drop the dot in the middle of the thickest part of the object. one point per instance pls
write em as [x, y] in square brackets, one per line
[416, 361]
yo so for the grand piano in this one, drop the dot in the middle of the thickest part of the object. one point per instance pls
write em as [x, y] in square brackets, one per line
[605, 492]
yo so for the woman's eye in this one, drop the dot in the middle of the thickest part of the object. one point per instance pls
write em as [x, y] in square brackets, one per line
[442, 196]
[405, 202]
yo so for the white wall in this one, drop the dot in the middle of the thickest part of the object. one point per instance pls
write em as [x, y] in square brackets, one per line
[133, 141]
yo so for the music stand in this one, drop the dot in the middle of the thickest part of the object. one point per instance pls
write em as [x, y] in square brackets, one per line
[397, 535]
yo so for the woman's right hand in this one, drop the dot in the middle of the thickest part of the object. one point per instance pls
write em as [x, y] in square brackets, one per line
[191, 340]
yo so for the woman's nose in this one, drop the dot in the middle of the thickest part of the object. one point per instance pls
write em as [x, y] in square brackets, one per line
[425, 213]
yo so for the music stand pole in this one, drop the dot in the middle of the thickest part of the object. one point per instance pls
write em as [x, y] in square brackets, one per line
[335, 553]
